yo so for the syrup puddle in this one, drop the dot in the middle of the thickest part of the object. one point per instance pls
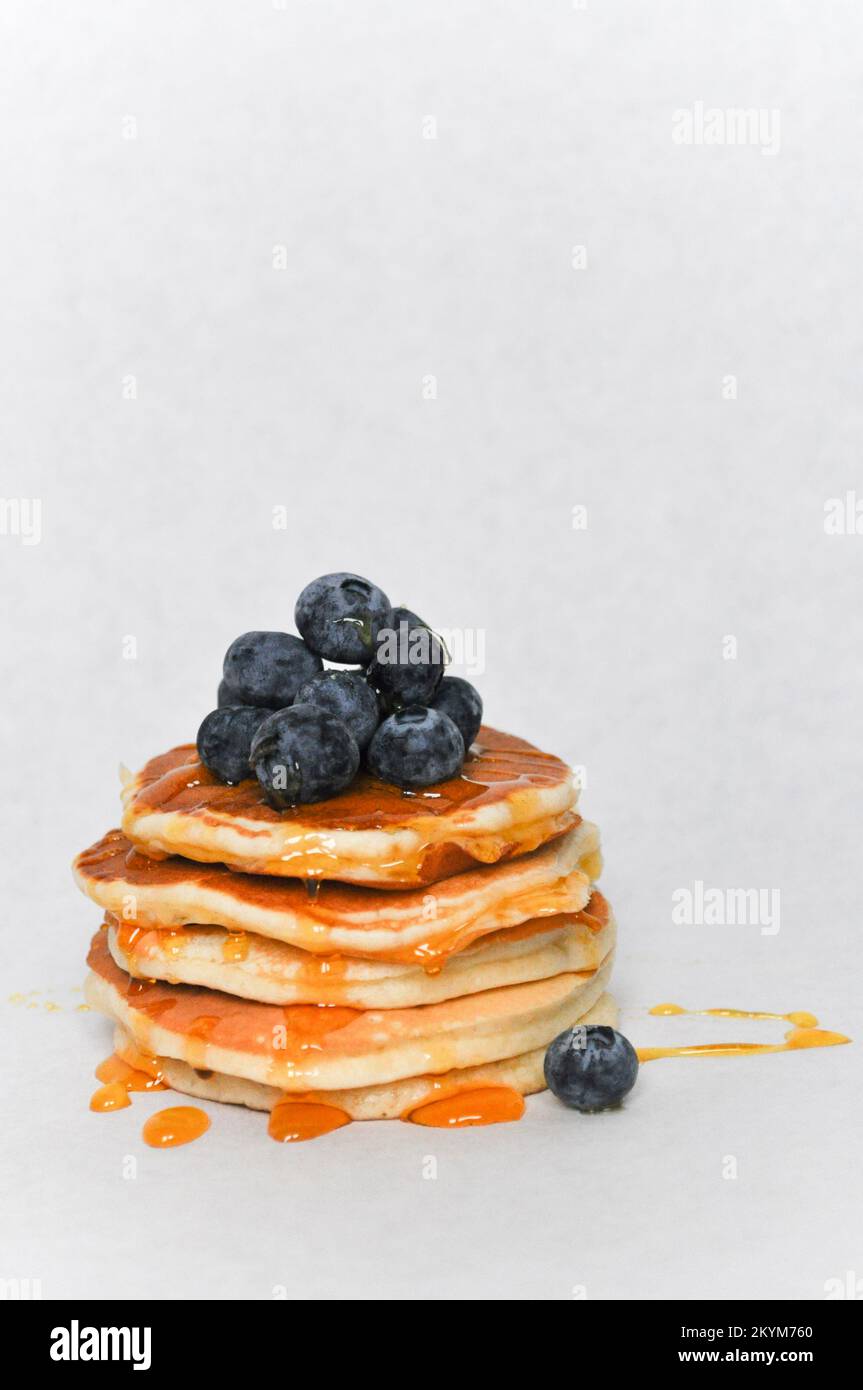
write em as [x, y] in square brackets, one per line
[805, 1033]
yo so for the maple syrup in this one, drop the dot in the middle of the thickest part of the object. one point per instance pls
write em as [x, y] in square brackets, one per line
[117, 1071]
[804, 1034]
[330, 906]
[235, 946]
[467, 1106]
[295, 1119]
[800, 1018]
[113, 1096]
[141, 1061]
[498, 768]
[179, 1124]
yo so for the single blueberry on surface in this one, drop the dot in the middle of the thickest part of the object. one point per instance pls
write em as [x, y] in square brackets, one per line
[268, 668]
[303, 754]
[590, 1067]
[416, 748]
[339, 616]
[225, 740]
[409, 662]
[347, 695]
[459, 699]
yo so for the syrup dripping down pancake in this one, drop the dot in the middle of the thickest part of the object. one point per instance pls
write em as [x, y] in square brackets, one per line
[509, 799]
[253, 967]
[299, 1047]
[418, 926]
[389, 1101]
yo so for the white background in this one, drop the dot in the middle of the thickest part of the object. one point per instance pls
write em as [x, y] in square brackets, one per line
[408, 257]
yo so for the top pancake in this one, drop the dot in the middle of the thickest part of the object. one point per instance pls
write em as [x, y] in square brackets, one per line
[509, 799]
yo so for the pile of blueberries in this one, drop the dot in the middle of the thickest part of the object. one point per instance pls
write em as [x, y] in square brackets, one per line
[304, 731]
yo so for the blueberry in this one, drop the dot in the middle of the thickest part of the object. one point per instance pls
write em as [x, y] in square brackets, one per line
[458, 699]
[303, 754]
[347, 695]
[415, 748]
[590, 1067]
[409, 661]
[268, 668]
[339, 616]
[225, 740]
[227, 695]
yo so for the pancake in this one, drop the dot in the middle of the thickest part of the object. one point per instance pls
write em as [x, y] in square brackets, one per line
[253, 967]
[523, 1072]
[300, 1046]
[415, 926]
[508, 800]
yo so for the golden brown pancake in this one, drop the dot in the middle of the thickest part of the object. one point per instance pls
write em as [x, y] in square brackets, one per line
[299, 1047]
[420, 925]
[388, 1101]
[272, 972]
[508, 800]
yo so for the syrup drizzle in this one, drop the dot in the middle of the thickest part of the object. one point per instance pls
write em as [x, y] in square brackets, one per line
[544, 914]
[235, 946]
[804, 1034]
[332, 904]
[434, 955]
[299, 843]
[800, 1018]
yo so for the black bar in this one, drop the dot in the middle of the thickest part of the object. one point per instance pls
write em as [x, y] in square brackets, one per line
[62, 1336]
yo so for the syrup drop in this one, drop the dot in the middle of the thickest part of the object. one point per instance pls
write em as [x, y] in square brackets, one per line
[479, 1105]
[141, 1061]
[127, 934]
[114, 1096]
[179, 1124]
[117, 1071]
[292, 1121]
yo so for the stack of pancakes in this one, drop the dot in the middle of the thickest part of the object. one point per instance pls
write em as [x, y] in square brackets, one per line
[369, 952]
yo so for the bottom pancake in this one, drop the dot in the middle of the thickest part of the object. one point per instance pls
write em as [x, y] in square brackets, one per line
[390, 1101]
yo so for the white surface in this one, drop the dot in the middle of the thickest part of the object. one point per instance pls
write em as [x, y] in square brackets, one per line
[406, 257]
